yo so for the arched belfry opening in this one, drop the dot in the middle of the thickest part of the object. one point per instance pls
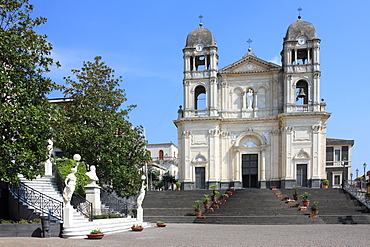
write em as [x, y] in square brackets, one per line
[302, 93]
[200, 98]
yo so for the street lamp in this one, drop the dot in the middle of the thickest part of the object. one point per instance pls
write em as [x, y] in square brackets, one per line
[365, 172]
[351, 178]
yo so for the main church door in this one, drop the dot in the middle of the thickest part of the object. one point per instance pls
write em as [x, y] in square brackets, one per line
[250, 170]
[302, 175]
[200, 178]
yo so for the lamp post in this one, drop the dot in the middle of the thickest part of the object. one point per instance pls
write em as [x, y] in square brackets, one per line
[364, 175]
[351, 178]
[365, 171]
[356, 173]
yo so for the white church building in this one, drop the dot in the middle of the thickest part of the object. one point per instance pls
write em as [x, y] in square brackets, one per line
[253, 123]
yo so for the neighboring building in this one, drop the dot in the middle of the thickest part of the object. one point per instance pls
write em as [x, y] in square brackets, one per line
[164, 158]
[253, 123]
[338, 161]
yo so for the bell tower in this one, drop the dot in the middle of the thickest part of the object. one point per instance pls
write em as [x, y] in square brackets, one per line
[301, 68]
[200, 74]
[303, 121]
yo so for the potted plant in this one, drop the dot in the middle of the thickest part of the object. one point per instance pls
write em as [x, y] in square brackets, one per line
[214, 193]
[314, 208]
[325, 184]
[197, 209]
[161, 224]
[295, 195]
[305, 200]
[206, 201]
[178, 185]
[96, 233]
[137, 228]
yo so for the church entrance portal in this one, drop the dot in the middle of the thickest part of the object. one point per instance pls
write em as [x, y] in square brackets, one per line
[302, 175]
[200, 178]
[250, 170]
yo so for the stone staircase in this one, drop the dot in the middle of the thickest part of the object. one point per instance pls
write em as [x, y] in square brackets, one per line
[171, 206]
[81, 225]
[336, 206]
[255, 207]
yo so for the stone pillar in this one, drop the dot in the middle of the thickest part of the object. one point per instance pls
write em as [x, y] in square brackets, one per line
[68, 216]
[93, 196]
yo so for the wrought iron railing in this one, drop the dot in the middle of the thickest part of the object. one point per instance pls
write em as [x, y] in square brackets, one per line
[38, 200]
[78, 202]
[83, 206]
[117, 205]
[358, 191]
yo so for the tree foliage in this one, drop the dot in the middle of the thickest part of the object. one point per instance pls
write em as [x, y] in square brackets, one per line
[95, 126]
[26, 116]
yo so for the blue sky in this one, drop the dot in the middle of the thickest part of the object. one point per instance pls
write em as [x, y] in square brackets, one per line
[143, 42]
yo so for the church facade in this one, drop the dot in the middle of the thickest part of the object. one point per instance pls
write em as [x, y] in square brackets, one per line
[253, 123]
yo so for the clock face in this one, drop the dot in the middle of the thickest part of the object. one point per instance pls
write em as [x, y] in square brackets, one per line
[199, 48]
[301, 41]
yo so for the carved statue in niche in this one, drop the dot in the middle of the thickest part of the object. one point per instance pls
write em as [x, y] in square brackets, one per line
[250, 98]
[250, 143]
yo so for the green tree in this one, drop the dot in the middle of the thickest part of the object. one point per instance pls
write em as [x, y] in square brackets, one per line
[95, 126]
[26, 116]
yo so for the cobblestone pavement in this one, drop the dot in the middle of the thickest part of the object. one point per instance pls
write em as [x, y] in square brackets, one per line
[217, 235]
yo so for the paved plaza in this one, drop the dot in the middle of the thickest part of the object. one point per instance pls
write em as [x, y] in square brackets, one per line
[217, 235]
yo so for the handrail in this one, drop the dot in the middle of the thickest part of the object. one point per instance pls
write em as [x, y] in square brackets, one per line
[115, 203]
[38, 200]
[83, 206]
[358, 192]
[78, 202]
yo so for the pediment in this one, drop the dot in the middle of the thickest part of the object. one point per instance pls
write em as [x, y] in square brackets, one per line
[249, 64]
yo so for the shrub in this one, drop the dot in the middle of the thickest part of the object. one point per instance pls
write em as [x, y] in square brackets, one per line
[64, 168]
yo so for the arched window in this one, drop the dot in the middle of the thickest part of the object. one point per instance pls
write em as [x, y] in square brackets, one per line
[200, 98]
[160, 154]
[302, 92]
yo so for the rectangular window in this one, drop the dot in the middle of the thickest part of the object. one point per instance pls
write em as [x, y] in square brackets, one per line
[329, 153]
[345, 152]
[337, 155]
[336, 179]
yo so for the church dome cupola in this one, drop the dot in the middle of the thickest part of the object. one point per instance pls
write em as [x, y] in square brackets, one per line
[300, 28]
[201, 36]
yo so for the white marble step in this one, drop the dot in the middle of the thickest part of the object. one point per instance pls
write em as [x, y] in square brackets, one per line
[107, 226]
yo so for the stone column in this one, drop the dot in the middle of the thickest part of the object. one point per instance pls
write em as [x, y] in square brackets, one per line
[263, 168]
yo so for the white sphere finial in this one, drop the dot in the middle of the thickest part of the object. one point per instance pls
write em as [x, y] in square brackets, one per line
[77, 157]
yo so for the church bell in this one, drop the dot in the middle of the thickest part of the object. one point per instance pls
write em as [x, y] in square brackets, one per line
[301, 93]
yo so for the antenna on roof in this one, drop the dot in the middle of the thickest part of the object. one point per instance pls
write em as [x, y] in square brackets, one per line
[299, 13]
[249, 41]
[200, 20]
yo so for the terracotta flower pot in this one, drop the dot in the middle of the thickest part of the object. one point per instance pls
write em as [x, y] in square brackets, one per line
[161, 225]
[137, 229]
[306, 203]
[198, 212]
[95, 236]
